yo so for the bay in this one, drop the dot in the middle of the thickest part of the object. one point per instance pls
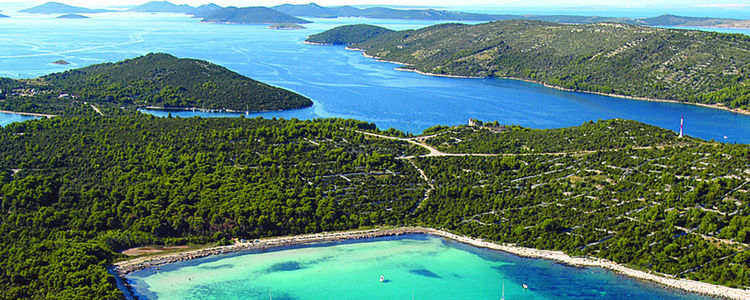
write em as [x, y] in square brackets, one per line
[414, 267]
[340, 82]
[7, 118]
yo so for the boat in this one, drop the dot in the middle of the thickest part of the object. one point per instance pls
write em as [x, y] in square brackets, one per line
[503, 297]
[525, 286]
[382, 278]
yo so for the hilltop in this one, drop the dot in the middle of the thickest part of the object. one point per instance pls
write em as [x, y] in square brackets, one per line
[348, 34]
[152, 80]
[251, 15]
[618, 59]
[204, 10]
[59, 8]
[163, 6]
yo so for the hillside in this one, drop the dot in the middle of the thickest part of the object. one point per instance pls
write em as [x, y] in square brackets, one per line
[163, 7]
[251, 15]
[150, 80]
[75, 191]
[627, 60]
[59, 8]
[348, 34]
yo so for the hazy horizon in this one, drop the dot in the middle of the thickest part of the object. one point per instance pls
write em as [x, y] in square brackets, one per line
[614, 8]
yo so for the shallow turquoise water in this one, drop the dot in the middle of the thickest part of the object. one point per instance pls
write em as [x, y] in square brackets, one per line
[6, 119]
[415, 267]
[341, 83]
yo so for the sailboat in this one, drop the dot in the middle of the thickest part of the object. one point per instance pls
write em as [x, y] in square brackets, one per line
[503, 297]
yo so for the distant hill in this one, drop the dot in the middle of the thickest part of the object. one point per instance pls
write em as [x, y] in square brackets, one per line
[204, 10]
[163, 6]
[251, 15]
[316, 11]
[672, 20]
[626, 60]
[72, 16]
[4, 16]
[59, 8]
[164, 80]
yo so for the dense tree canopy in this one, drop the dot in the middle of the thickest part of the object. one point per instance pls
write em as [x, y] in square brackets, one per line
[76, 190]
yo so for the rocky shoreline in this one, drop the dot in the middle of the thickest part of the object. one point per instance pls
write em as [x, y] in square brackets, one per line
[125, 267]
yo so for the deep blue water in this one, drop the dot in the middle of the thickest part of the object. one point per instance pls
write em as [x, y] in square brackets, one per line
[341, 83]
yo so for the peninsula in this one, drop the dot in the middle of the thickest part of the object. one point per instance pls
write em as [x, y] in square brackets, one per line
[627, 195]
[639, 62]
[156, 79]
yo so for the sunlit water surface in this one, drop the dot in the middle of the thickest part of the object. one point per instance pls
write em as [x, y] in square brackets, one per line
[342, 83]
[414, 267]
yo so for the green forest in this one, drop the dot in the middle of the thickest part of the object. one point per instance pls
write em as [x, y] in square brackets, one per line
[156, 79]
[77, 190]
[627, 60]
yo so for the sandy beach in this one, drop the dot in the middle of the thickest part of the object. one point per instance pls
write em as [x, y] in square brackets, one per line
[714, 106]
[125, 267]
[28, 114]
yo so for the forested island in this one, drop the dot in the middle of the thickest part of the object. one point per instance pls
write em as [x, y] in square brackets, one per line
[615, 59]
[76, 190]
[155, 79]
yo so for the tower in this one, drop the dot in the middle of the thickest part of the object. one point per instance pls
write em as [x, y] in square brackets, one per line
[682, 122]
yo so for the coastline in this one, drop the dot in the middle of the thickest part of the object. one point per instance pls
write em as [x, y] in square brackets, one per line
[125, 267]
[28, 114]
[713, 106]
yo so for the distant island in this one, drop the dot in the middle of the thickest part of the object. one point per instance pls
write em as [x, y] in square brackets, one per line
[59, 8]
[4, 16]
[154, 80]
[251, 15]
[72, 16]
[162, 6]
[640, 62]
[317, 11]
[286, 26]
[61, 62]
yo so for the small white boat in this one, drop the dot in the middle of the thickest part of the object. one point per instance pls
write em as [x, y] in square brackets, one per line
[525, 286]
[382, 278]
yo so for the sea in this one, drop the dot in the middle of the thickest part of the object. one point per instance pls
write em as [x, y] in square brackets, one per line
[342, 83]
[413, 267]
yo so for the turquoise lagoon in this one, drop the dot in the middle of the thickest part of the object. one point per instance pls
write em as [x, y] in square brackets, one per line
[414, 266]
[7, 118]
[341, 83]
